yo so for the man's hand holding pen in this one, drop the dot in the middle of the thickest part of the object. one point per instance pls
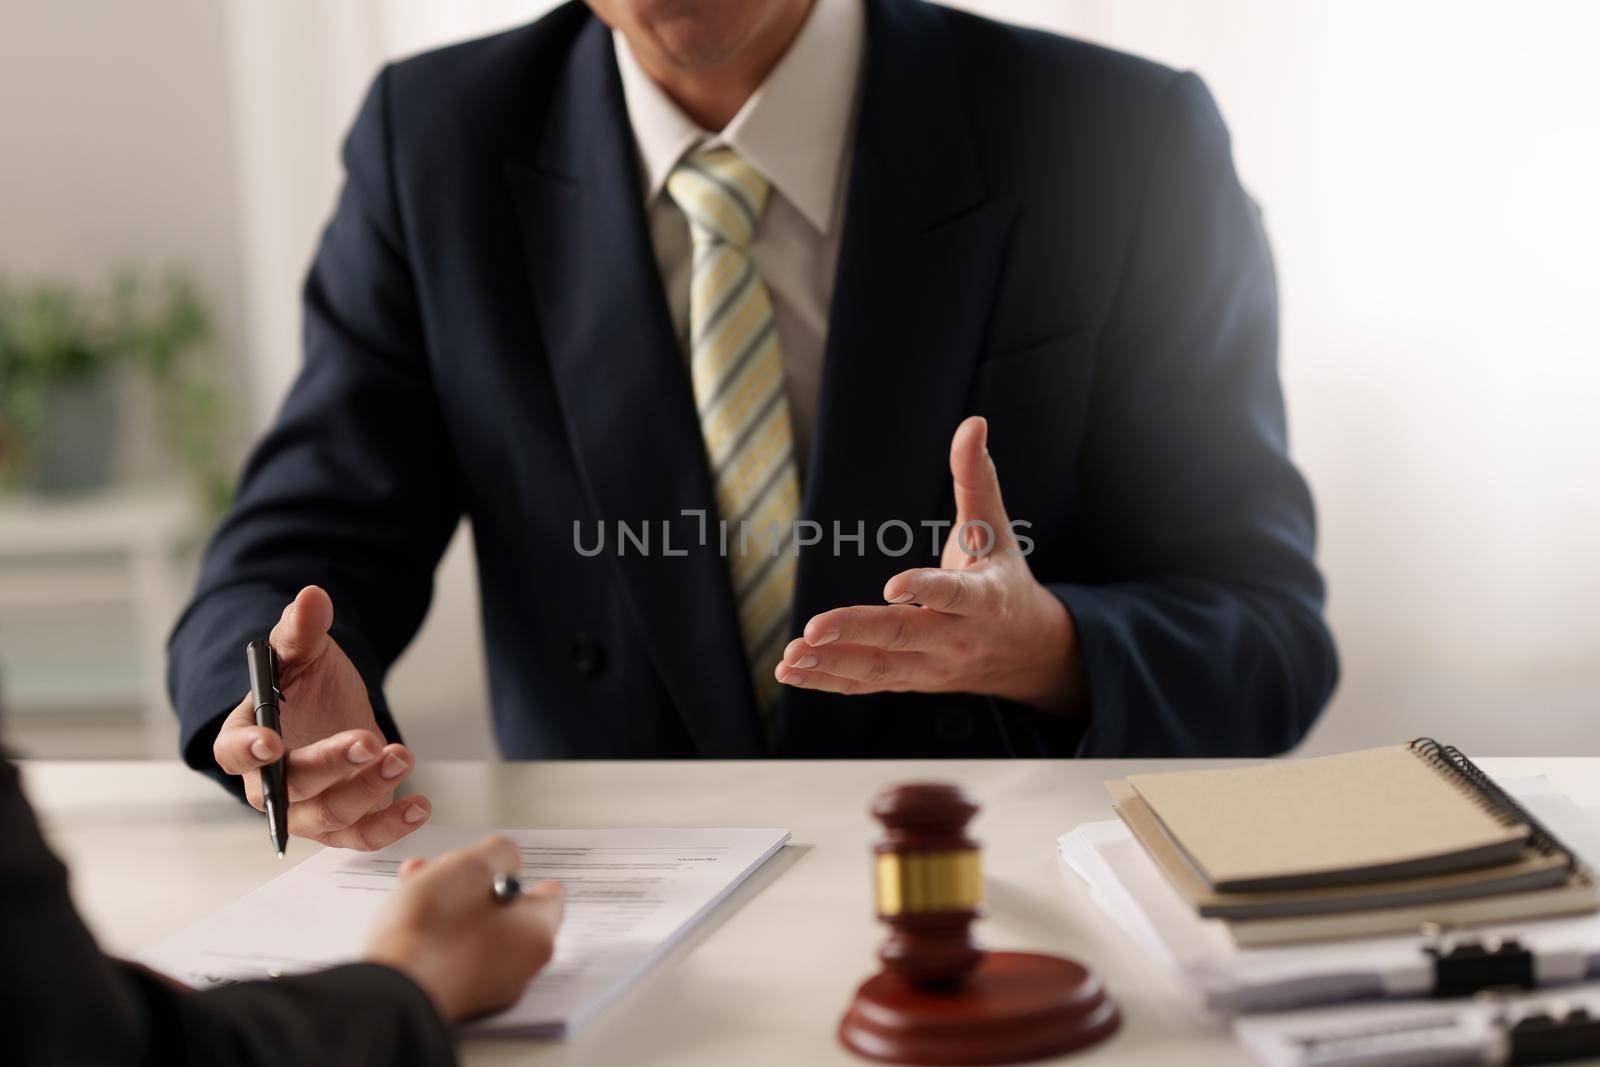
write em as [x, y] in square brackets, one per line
[342, 776]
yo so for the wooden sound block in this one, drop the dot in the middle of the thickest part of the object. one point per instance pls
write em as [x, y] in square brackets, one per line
[1015, 1006]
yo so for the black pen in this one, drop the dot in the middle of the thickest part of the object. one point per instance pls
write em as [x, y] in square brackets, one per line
[507, 888]
[264, 695]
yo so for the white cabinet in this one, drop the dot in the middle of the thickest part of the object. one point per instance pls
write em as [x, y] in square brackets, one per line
[89, 589]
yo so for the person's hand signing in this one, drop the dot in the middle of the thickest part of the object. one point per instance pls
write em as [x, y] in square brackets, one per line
[342, 776]
[978, 623]
[445, 929]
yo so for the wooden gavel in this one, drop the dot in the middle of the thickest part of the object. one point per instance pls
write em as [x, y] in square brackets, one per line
[940, 998]
[929, 876]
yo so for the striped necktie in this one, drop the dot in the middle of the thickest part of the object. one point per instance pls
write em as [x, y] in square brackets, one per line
[737, 373]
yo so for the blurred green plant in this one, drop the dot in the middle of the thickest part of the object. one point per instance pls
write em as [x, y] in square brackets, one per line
[53, 335]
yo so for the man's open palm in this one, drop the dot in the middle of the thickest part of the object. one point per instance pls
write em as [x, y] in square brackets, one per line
[978, 623]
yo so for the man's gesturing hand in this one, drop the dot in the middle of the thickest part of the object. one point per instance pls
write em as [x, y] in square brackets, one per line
[978, 623]
[342, 776]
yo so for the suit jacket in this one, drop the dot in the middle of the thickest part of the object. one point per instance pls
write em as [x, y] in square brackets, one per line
[1037, 230]
[63, 1002]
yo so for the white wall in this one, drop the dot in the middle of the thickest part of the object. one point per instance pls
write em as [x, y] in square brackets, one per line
[115, 137]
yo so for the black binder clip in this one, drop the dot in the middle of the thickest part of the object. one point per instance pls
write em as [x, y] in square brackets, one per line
[1467, 966]
[1553, 1034]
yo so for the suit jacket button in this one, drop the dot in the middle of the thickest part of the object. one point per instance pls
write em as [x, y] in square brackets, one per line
[952, 723]
[588, 655]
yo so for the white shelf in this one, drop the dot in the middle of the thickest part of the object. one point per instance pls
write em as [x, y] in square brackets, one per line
[29, 696]
[89, 587]
[57, 586]
[115, 520]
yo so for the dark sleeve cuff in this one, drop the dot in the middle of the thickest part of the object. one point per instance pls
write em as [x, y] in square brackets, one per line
[1190, 668]
[1094, 623]
[358, 1015]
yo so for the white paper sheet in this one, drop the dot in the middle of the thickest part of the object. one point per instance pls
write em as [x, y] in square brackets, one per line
[630, 895]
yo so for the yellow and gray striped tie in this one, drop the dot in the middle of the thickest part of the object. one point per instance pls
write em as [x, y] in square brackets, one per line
[739, 390]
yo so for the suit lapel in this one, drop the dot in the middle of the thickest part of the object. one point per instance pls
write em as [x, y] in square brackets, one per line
[919, 259]
[625, 392]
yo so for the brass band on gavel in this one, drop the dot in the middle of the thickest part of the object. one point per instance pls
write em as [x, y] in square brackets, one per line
[911, 883]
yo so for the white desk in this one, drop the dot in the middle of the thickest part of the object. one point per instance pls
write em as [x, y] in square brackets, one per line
[153, 846]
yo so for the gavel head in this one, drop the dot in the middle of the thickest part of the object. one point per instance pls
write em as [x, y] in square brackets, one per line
[929, 883]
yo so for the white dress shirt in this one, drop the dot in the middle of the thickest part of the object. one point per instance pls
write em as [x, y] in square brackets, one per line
[796, 130]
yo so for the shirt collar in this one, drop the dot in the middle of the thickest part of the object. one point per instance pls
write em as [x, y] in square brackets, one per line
[795, 129]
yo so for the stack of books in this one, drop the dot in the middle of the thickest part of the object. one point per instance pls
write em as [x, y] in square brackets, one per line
[1381, 841]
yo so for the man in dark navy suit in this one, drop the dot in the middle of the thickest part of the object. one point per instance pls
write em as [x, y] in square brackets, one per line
[725, 323]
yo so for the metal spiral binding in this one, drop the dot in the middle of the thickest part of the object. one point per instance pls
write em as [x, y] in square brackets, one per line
[1489, 796]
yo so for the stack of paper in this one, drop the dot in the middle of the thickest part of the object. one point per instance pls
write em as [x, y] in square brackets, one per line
[630, 895]
[1133, 890]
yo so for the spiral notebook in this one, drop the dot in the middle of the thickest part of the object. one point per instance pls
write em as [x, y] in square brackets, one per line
[1531, 871]
[1378, 815]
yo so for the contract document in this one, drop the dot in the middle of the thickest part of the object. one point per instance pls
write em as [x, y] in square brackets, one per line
[630, 895]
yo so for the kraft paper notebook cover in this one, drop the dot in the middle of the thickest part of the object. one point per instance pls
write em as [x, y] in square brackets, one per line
[1531, 871]
[1382, 814]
